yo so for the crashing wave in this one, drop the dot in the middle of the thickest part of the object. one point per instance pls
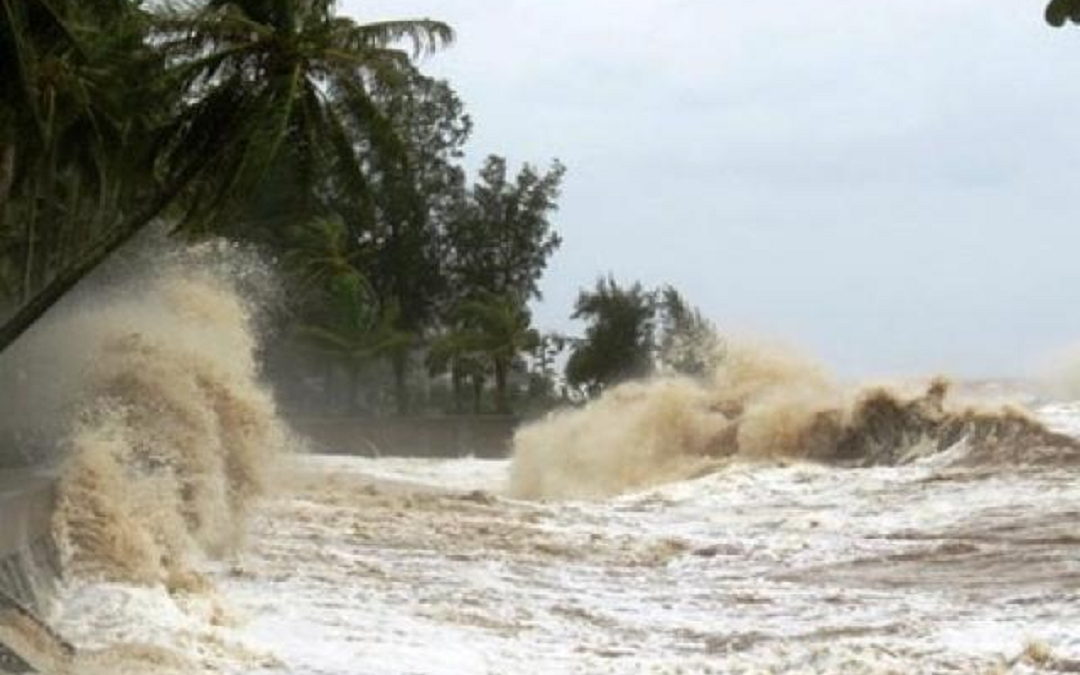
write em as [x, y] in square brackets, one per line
[762, 405]
[150, 384]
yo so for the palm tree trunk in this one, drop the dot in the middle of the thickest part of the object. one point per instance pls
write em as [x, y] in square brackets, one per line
[502, 404]
[68, 278]
[457, 382]
[30, 235]
[7, 172]
[478, 394]
[400, 364]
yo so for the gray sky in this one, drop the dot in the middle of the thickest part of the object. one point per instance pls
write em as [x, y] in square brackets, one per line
[891, 186]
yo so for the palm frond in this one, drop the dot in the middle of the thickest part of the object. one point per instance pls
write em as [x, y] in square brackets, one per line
[424, 35]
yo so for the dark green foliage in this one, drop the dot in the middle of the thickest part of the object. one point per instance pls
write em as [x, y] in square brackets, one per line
[633, 332]
[490, 333]
[500, 239]
[353, 331]
[266, 76]
[497, 242]
[111, 116]
[1058, 12]
[281, 123]
[544, 389]
[411, 199]
[70, 78]
[80, 102]
[619, 341]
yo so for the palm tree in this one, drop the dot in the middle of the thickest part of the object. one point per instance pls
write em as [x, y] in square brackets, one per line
[456, 354]
[257, 77]
[494, 329]
[27, 29]
[354, 332]
[74, 102]
[64, 68]
[620, 340]
[271, 73]
[321, 250]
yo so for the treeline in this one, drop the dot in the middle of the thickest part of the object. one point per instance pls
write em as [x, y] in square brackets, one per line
[431, 316]
[114, 114]
[318, 139]
[633, 332]
[287, 125]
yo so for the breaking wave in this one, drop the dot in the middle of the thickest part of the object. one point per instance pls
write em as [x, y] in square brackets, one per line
[763, 404]
[169, 431]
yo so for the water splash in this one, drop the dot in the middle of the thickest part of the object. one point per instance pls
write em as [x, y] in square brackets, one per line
[149, 379]
[762, 404]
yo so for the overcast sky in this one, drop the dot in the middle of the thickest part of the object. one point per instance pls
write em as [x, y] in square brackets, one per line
[892, 186]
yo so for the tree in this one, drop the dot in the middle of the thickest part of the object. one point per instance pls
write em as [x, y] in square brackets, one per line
[431, 121]
[497, 241]
[620, 339]
[500, 239]
[397, 220]
[354, 331]
[252, 79]
[76, 106]
[689, 343]
[30, 32]
[451, 353]
[320, 252]
[491, 331]
[269, 75]
[388, 226]
[1058, 12]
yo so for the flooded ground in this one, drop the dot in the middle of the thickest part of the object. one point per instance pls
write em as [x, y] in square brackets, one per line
[390, 566]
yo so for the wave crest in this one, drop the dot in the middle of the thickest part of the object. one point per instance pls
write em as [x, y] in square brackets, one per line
[761, 404]
[175, 432]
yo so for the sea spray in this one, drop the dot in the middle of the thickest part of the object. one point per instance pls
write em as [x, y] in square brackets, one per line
[647, 432]
[149, 381]
[762, 404]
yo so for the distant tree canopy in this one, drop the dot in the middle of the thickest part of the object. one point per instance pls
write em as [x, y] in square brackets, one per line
[499, 238]
[489, 333]
[633, 332]
[1059, 12]
[619, 338]
[496, 245]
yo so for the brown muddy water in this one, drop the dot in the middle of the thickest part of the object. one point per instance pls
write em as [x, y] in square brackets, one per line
[768, 520]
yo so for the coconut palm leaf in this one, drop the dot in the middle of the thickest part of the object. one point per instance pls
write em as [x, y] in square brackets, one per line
[251, 78]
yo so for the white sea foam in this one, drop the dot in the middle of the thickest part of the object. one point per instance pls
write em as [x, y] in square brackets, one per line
[764, 564]
[361, 565]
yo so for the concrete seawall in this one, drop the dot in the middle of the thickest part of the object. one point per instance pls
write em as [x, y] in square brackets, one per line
[29, 569]
[488, 437]
[28, 562]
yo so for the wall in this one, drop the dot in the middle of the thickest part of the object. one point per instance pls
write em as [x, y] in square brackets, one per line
[28, 564]
[486, 436]
[29, 568]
